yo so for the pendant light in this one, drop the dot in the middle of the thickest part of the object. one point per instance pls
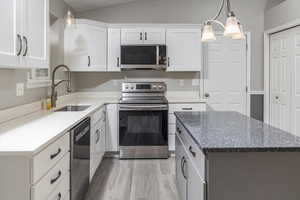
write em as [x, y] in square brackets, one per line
[70, 19]
[232, 28]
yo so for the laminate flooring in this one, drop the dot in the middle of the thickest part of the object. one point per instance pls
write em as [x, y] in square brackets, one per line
[134, 180]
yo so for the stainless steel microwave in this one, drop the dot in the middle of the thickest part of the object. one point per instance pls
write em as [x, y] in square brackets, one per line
[143, 57]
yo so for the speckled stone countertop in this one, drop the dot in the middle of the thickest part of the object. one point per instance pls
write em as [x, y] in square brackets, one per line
[233, 132]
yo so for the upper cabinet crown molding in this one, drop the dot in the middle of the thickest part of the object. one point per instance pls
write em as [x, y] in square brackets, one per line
[25, 41]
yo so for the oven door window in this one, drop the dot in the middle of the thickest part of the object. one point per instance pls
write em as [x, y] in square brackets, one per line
[138, 55]
[143, 128]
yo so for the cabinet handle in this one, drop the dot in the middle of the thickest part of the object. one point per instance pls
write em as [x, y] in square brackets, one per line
[146, 37]
[89, 63]
[183, 162]
[20, 45]
[192, 152]
[168, 61]
[187, 108]
[277, 97]
[178, 130]
[141, 36]
[207, 95]
[59, 196]
[56, 178]
[26, 46]
[118, 62]
[56, 154]
[98, 136]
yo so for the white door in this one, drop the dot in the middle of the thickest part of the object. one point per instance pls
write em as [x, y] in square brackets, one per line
[114, 49]
[225, 75]
[281, 48]
[154, 36]
[184, 49]
[97, 46]
[296, 84]
[10, 34]
[35, 38]
[132, 36]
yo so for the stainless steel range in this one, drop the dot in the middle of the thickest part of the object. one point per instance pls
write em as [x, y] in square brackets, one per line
[143, 125]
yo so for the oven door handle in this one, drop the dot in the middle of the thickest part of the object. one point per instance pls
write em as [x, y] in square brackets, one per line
[143, 107]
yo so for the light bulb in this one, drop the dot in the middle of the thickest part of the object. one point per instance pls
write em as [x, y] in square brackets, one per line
[70, 20]
[240, 35]
[208, 33]
[231, 27]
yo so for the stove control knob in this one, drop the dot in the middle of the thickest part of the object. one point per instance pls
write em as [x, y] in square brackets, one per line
[154, 87]
[160, 87]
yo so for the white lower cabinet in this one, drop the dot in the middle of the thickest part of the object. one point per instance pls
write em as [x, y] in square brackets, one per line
[97, 140]
[184, 107]
[112, 128]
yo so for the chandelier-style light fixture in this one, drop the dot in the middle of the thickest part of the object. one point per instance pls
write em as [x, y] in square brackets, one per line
[70, 19]
[232, 28]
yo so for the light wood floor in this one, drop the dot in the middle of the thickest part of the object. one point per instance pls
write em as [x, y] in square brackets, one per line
[134, 180]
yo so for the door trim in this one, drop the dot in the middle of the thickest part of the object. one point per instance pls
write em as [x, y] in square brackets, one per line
[267, 35]
[248, 73]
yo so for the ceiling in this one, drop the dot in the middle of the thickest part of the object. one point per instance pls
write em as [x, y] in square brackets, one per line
[85, 5]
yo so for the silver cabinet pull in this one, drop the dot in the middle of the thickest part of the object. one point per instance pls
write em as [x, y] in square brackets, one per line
[192, 152]
[141, 36]
[20, 44]
[56, 154]
[26, 46]
[178, 130]
[118, 62]
[98, 136]
[56, 178]
[89, 59]
[59, 196]
[168, 61]
[187, 109]
[146, 38]
[277, 97]
[207, 95]
[183, 162]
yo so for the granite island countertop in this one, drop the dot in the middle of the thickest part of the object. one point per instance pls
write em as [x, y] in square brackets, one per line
[226, 131]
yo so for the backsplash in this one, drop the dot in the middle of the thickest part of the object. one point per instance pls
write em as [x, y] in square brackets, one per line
[111, 82]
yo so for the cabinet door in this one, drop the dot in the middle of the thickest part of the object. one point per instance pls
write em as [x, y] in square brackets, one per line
[95, 136]
[114, 49]
[181, 177]
[196, 186]
[10, 35]
[112, 127]
[184, 49]
[97, 46]
[36, 34]
[132, 36]
[154, 36]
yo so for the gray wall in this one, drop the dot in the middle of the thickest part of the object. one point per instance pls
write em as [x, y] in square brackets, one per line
[285, 12]
[273, 3]
[192, 11]
[9, 78]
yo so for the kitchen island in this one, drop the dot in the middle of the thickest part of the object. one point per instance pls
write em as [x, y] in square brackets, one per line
[229, 156]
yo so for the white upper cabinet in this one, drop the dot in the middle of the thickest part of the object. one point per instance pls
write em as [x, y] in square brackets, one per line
[24, 39]
[114, 50]
[35, 38]
[184, 49]
[86, 47]
[131, 36]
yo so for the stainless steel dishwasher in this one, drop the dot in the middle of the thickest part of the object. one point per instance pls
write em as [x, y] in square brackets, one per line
[80, 159]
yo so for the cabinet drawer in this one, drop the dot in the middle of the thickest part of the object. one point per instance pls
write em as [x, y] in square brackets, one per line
[98, 115]
[48, 183]
[47, 158]
[187, 107]
[62, 190]
[195, 154]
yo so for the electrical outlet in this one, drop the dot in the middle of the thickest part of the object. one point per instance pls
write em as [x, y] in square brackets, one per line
[195, 82]
[181, 83]
[20, 89]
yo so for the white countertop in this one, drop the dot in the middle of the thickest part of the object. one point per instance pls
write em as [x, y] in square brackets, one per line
[31, 133]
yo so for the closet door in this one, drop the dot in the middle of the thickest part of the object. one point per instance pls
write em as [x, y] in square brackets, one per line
[295, 79]
[281, 48]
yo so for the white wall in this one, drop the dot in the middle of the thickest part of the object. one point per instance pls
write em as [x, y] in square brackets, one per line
[285, 12]
[251, 14]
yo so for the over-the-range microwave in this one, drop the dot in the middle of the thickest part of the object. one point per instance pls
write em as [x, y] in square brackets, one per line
[144, 57]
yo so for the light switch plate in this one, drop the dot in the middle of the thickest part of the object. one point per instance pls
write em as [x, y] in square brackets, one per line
[20, 89]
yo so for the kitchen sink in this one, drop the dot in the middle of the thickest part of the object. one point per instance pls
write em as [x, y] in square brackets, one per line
[71, 108]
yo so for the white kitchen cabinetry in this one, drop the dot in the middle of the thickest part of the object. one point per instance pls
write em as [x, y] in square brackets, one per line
[24, 43]
[86, 47]
[150, 35]
[112, 128]
[97, 149]
[114, 50]
[172, 121]
[40, 176]
[184, 49]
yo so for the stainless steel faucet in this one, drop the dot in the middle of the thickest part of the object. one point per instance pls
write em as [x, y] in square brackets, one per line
[54, 85]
